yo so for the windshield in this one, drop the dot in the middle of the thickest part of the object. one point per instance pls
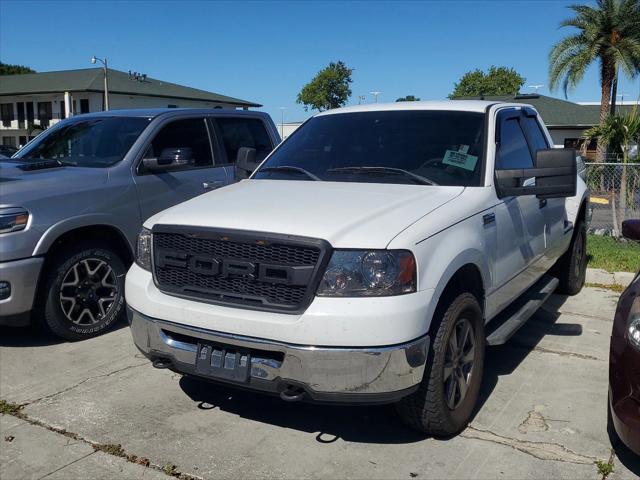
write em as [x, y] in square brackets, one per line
[409, 147]
[95, 142]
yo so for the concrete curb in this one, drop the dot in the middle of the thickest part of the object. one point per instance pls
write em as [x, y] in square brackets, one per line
[597, 275]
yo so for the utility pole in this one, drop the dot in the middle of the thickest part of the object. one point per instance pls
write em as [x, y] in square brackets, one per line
[375, 95]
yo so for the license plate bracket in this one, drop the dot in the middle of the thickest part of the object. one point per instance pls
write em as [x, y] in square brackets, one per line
[219, 361]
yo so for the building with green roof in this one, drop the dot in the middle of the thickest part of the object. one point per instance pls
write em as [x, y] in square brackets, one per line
[32, 102]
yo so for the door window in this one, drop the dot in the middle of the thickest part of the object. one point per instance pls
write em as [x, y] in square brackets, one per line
[513, 151]
[244, 132]
[535, 135]
[190, 134]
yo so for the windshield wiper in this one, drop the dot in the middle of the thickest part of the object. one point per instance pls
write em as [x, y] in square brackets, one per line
[290, 168]
[398, 171]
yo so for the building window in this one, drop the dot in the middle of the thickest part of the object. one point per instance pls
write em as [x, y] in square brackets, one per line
[45, 113]
[10, 141]
[30, 115]
[84, 105]
[63, 109]
[22, 140]
[6, 114]
[21, 116]
[171, 105]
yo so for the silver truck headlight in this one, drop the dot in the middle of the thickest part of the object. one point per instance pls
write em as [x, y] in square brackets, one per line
[143, 249]
[369, 273]
[13, 219]
[633, 328]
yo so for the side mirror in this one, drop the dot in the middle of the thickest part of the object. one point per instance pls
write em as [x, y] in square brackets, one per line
[631, 229]
[170, 159]
[246, 161]
[555, 174]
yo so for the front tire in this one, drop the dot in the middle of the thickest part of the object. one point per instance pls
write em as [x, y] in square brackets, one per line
[84, 292]
[447, 396]
[571, 269]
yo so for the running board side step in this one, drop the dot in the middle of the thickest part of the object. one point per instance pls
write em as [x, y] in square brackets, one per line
[508, 322]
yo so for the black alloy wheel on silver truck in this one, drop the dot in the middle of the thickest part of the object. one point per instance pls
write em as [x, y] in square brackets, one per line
[446, 398]
[84, 292]
[571, 268]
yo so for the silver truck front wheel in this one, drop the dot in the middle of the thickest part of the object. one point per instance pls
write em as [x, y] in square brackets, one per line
[84, 291]
[88, 291]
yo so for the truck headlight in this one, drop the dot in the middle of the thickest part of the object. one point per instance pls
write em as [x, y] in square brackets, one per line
[633, 329]
[13, 219]
[369, 273]
[143, 249]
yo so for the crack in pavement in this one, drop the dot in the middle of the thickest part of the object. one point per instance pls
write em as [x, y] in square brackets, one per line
[99, 447]
[65, 390]
[539, 450]
[562, 353]
[68, 464]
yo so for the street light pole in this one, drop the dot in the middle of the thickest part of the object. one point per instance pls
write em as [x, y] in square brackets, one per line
[282, 109]
[375, 95]
[106, 81]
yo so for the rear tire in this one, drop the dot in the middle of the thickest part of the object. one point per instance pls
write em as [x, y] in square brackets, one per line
[444, 402]
[571, 269]
[84, 291]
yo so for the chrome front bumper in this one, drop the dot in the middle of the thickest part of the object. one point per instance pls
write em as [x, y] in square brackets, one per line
[323, 374]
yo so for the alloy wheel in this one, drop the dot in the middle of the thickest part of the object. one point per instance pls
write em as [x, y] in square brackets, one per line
[458, 365]
[88, 291]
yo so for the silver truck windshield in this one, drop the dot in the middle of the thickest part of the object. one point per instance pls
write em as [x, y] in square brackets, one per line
[95, 142]
[408, 147]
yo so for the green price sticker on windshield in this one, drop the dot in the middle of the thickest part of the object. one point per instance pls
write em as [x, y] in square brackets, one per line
[460, 160]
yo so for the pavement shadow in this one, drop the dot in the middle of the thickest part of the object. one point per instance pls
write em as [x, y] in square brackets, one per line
[504, 359]
[37, 336]
[362, 424]
[372, 424]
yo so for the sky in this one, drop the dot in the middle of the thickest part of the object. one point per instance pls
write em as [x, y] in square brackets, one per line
[266, 51]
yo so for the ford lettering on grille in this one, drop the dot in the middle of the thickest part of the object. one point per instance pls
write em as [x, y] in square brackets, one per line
[258, 271]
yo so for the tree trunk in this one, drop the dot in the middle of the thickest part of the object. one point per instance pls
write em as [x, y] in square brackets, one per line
[614, 93]
[607, 74]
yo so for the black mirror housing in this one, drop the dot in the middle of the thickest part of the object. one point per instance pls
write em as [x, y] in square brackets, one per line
[246, 161]
[170, 159]
[555, 174]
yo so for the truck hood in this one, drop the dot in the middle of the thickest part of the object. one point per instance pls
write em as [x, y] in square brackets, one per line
[347, 215]
[19, 187]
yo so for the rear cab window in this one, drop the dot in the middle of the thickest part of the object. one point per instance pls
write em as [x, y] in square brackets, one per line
[237, 132]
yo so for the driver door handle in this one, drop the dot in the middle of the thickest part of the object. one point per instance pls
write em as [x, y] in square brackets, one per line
[212, 185]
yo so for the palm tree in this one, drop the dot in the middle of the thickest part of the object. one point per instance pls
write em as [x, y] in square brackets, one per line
[608, 33]
[619, 132]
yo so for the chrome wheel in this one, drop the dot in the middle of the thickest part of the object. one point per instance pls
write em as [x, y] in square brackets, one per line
[458, 364]
[88, 291]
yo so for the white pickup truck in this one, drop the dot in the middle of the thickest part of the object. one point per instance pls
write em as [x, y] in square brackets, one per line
[369, 258]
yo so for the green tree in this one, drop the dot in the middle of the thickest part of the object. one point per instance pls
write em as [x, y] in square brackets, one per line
[9, 69]
[608, 34]
[618, 133]
[408, 98]
[328, 89]
[497, 81]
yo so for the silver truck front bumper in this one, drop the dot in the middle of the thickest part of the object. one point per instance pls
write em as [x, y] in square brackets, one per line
[21, 276]
[295, 372]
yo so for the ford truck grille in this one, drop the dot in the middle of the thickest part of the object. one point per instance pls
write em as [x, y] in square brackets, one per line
[237, 268]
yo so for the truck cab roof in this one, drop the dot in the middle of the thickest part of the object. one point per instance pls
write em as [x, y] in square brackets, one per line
[479, 106]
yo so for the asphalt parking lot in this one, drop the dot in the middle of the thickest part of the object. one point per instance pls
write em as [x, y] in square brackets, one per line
[542, 415]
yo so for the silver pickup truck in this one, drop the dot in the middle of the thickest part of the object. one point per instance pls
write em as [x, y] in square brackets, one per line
[73, 200]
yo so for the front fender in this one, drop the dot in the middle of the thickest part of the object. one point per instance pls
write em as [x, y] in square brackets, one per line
[87, 220]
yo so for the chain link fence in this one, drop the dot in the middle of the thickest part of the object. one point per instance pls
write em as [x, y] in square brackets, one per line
[615, 195]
